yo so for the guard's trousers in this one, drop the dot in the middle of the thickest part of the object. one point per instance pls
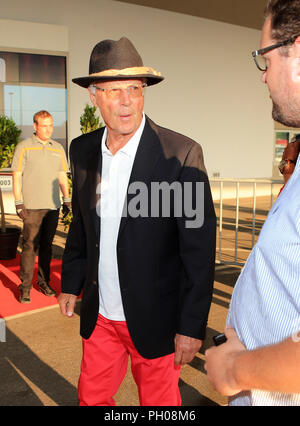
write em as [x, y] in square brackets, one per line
[38, 232]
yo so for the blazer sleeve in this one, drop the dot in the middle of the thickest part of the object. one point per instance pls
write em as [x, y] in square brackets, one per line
[197, 242]
[74, 258]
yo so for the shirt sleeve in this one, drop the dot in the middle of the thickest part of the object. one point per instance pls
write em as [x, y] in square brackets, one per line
[19, 158]
[64, 163]
[298, 222]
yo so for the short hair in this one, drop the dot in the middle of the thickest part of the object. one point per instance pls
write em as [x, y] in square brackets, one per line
[41, 114]
[285, 18]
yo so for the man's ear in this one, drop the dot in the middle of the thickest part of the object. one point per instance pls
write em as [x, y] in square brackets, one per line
[92, 93]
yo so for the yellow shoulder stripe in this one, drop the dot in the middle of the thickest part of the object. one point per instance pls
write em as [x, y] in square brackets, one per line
[62, 156]
[22, 154]
[39, 149]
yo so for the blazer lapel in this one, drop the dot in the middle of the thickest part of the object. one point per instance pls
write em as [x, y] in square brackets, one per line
[94, 167]
[148, 152]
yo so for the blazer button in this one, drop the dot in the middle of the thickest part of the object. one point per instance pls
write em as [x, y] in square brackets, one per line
[97, 245]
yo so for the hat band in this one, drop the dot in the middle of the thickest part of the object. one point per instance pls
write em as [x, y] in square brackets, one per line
[127, 71]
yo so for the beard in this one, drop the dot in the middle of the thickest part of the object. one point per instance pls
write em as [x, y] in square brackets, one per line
[286, 114]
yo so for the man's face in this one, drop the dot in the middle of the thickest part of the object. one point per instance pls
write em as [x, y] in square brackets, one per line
[291, 152]
[44, 128]
[122, 114]
[280, 79]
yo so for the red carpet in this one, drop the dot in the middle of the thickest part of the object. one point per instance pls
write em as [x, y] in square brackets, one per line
[9, 293]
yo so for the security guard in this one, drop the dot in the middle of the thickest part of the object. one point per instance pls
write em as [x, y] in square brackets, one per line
[39, 172]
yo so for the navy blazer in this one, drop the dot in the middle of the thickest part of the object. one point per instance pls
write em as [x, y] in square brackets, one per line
[166, 270]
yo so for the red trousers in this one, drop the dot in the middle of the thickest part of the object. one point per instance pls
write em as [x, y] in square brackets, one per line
[104, 366]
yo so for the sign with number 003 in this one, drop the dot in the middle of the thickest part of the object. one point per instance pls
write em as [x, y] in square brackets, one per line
[6, 182]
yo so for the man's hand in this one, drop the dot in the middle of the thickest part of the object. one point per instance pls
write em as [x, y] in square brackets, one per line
[185, 349]
[66, 208]
[220, 364]
[21, 211]
[67, 304]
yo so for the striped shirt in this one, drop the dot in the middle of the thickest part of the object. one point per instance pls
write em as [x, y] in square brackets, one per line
[265, 305]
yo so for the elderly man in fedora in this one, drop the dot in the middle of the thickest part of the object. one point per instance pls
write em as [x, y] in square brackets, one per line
[146, 277]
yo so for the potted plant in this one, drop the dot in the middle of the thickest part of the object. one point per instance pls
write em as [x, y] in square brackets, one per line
[88, 123]
[9, 235]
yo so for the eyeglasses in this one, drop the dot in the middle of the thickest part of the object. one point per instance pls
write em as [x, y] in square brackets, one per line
[283, 164]
[134, 91]
[260, 60]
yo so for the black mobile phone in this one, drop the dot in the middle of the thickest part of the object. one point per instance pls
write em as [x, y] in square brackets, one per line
[219, 339]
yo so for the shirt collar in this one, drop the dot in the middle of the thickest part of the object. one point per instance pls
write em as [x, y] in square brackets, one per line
[36, 139]
[131, 146]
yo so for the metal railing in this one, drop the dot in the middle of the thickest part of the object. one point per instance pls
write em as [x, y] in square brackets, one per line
[227, 195]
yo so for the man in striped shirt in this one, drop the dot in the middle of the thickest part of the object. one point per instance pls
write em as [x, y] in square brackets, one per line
[260, 362]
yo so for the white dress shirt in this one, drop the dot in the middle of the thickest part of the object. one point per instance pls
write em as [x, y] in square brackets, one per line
[265, 306]
[116, 171]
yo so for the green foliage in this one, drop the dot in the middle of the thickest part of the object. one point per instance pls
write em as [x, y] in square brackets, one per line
[88, 120]
[9, 137]
[88, 123]
[68, 219]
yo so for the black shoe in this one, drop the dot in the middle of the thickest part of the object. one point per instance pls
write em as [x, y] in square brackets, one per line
[46, 289]
[24, 295]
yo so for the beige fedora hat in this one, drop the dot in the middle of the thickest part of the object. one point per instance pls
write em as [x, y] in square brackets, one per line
[117, 60]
